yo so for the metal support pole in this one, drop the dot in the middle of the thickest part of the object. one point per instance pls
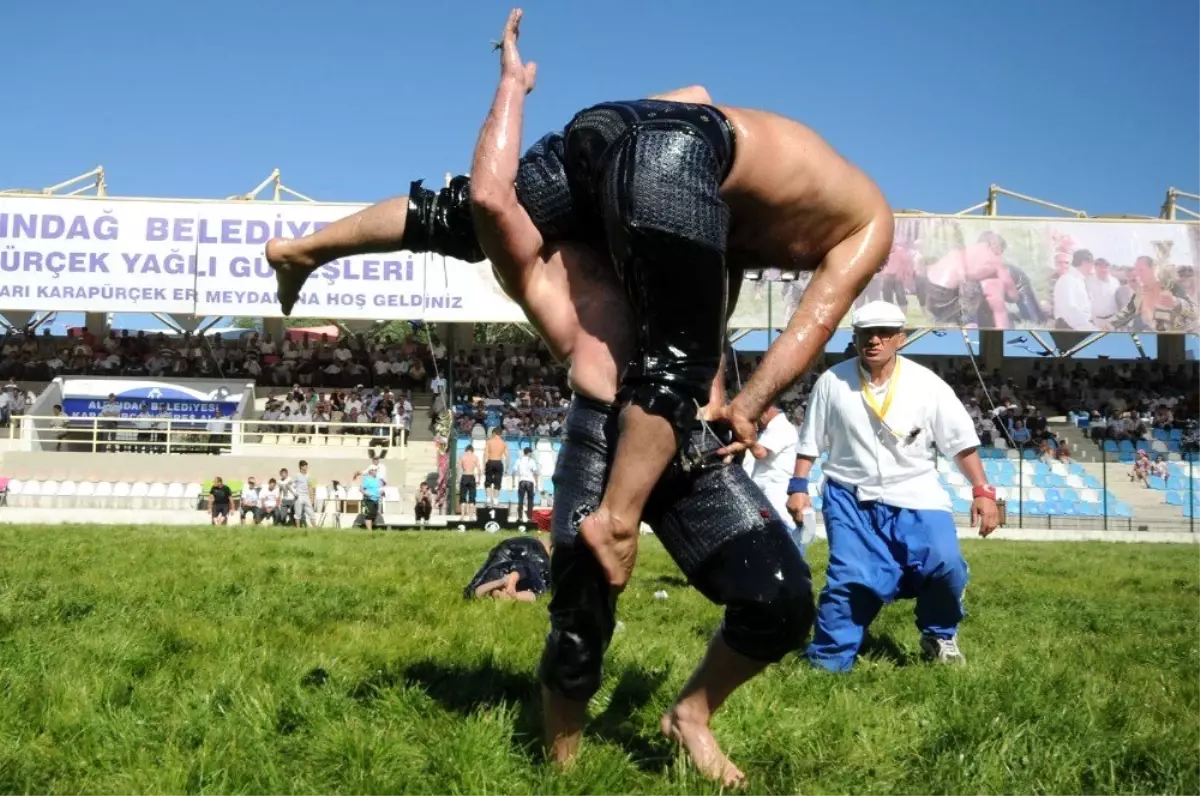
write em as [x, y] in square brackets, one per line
[1104, 482]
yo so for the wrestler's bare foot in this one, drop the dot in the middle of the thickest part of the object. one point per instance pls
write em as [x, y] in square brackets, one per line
[293, 265]
[614, 543]
[563, 719]
[694, 735]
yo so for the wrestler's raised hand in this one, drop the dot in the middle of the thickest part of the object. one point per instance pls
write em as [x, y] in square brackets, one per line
[510, 58]
[745, 432]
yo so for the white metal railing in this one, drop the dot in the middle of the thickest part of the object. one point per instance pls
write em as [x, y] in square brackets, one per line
[171, 435]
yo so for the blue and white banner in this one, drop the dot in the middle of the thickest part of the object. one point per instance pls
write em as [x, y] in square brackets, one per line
[207, 258]
[87, 398]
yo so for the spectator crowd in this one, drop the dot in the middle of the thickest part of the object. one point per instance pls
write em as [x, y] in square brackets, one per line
[310, 361]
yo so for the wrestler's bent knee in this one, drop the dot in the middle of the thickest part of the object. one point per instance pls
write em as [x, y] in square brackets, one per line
[582, 620]
[766, 587]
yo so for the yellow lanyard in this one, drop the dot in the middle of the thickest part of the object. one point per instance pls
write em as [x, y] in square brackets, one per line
[869, 394]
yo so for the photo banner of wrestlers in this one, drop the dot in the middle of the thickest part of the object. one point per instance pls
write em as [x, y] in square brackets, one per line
[995, 273]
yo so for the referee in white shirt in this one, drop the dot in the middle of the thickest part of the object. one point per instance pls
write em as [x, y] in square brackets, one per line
[527, 472]
[891, 532]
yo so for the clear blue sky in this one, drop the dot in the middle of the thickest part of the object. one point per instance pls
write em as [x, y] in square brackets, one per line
[1089, 103]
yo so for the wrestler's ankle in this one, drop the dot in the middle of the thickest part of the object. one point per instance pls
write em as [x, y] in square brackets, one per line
[685, 715]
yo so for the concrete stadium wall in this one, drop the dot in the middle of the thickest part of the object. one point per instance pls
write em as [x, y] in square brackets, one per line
[184, 468]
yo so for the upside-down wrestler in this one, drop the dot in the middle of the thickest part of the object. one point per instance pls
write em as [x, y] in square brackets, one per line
[682, 195]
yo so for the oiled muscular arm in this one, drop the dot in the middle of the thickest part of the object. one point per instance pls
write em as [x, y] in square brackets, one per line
[696, 95]
[836, 283]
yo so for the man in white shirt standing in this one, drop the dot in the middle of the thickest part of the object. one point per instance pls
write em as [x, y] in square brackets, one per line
[891, 532]
[1102, 287]
[1072, 304]
[527, 473]
[773, 473]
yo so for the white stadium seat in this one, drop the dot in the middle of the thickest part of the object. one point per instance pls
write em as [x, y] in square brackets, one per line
[49, 489]
[1089, 496]
[139, 489]
[955, 478]
[191, 491]
[32, 489]
[1075, 481]
[175, 490]
[121, 490]
[67, 489]
[15, 487]
[157, 490]
[1035, 494]
[1058, 468]
[86, 489]
[391, 493]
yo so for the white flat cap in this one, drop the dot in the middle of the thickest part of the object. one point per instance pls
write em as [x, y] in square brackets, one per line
[878, 315]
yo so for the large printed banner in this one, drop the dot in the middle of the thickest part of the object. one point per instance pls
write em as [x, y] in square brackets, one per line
[996, 273]
[206, 258]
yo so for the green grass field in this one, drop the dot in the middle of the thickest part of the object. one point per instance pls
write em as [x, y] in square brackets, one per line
[138, 660]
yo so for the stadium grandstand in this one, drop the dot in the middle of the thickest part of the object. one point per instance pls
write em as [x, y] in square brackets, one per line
[123, 401]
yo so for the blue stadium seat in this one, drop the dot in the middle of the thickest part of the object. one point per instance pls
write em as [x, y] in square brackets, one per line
[1053, 496]
[1087, 509]
[1156, 483]
[508, 496]
[960, 506]
[556, 445]
[1173, 446]
[1161, 434]
[1125, 445]
[1092, 482]
[1119, 509]
[1176, 434]
[1142, 445]
[1110, 446]
[1174, 499]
